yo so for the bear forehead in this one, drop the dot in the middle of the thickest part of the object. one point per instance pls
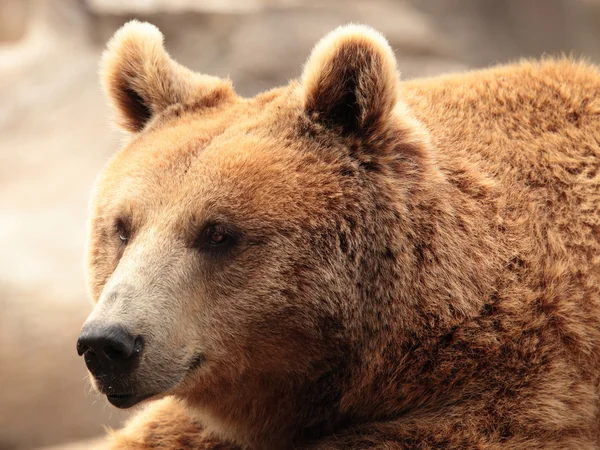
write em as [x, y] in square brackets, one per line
[245, 157]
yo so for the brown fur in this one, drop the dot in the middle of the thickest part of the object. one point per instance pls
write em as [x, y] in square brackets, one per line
[417, 264]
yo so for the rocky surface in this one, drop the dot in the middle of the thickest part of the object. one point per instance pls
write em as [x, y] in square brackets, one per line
[55, 134]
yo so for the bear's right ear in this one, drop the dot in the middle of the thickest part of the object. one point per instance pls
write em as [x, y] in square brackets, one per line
[350, 80]
[141, 80]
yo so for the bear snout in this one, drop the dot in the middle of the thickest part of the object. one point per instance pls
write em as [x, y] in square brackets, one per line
[109, 350]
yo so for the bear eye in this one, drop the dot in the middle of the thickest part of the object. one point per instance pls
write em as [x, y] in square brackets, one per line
[217, 237]
[214, 237]
[122, 230]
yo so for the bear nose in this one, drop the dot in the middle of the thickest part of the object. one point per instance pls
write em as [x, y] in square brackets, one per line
[109, 349]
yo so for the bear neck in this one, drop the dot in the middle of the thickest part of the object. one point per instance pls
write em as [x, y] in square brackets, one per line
[433, 251]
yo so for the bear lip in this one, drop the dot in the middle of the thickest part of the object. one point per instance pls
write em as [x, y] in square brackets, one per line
[126, 401]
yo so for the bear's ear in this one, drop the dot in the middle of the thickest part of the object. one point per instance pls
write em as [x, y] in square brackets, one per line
[141, 80]
[350, 80]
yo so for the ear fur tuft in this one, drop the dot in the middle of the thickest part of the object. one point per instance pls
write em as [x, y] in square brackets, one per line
[350, 79]
[141, 80]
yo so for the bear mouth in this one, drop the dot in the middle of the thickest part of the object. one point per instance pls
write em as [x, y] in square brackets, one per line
[126, 400]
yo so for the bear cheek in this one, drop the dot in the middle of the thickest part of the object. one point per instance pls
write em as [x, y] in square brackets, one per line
[97, 274]
[103, 257]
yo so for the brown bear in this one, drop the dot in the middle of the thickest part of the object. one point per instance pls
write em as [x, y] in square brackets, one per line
[349, 261]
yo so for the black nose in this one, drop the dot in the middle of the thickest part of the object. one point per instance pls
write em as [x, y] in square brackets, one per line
[109, 349]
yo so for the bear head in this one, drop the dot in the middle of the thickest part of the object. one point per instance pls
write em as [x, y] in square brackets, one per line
[254, 255]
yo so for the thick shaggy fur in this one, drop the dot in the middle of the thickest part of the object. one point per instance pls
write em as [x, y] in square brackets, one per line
[416, 264]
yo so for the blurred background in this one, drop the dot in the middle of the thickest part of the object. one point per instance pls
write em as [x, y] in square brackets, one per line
[55, 135]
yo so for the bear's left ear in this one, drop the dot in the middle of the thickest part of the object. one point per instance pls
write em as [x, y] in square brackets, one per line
[350, 80]
[141, 80]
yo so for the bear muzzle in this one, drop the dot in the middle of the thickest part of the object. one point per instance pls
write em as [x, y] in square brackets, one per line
[111, 354]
